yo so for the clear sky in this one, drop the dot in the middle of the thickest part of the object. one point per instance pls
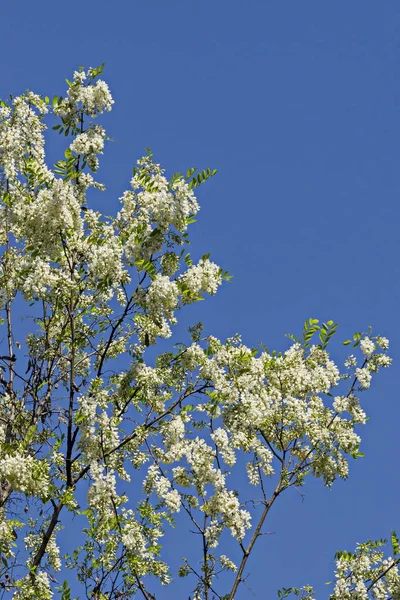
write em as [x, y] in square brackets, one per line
[297, 106]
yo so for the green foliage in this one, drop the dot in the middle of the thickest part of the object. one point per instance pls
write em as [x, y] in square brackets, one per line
[148, 266]
[395, 543]
[285, 592]
[303, 592]
[201, 177]
[95, 72]
[356, 340]
[66, 168]
[310, 328]
[327, 330]
[65, 591]
[196, 331]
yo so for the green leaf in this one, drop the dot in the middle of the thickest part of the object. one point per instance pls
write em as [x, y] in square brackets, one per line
[395, 543]
[200, 177]
[66, 591]
[357, 454]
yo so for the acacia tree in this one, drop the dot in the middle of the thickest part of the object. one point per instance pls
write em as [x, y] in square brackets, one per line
[93, 426]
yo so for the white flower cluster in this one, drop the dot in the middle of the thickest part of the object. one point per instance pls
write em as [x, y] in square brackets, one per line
[89, 142]
[149, 381]
[174, 434]
[367, 346]
[92, 99]
[7, 535]
[205, 277]
[373, 360]
[154, 211]
[364, 377]
[382, 342]
[366, 574]
[157, 202]
[149, 330]
[162, 298]
[267, 403]
[155, 482]
[105, 259]
[94, 423]
[42, 221]
[25, 474]
[223, 506]
[141, 542]
[32, 543]
[134, 539]
[21, 132]
[37, 277]
[350, 404]
[227, 564]
[36, 589]
[225, 509]
[101, 495]
[193, 357]
[350, 362]
[279, 400]
[253, 473]
[221, 440]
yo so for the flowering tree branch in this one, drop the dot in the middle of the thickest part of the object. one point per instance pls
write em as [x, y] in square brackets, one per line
[95, 424]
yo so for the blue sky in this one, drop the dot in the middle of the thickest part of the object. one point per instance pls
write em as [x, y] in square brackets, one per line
[297, 106]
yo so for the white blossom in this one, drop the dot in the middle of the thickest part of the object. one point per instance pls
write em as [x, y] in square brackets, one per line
[382, 342]
[226, 563]
[162, 297]
[205, 277]
[367, 346]
[364, 377]
[90, 142]
[25, 474]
